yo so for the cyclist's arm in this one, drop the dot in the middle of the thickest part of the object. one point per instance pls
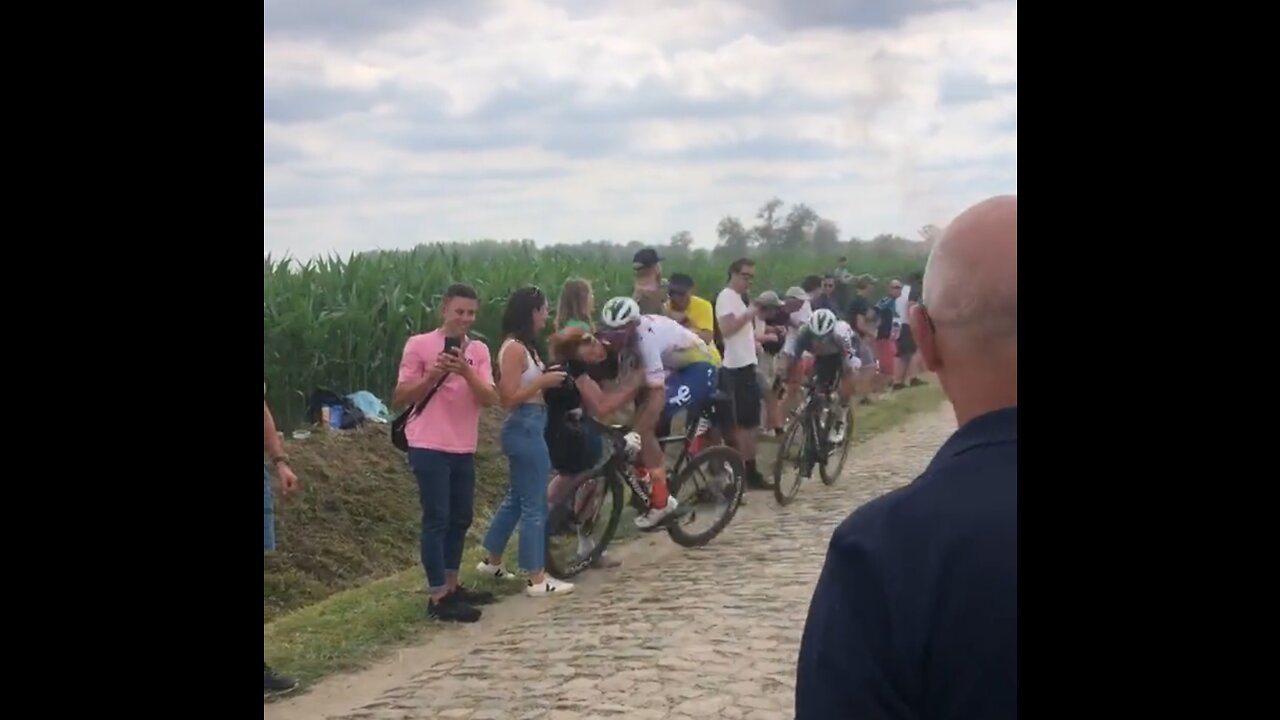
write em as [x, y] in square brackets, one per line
[602, 404]
[848, 346]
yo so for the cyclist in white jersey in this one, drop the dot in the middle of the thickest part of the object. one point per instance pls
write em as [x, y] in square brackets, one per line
[834, 345]
[680, 372]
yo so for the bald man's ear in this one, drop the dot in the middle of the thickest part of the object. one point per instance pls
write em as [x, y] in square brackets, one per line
[926, 340]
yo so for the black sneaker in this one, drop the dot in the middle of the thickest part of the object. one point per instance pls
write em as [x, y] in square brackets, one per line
[451, 608]
[473, 597]
[273, 683]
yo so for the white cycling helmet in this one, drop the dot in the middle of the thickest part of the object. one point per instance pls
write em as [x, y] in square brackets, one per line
[822, 321]
[619, 311]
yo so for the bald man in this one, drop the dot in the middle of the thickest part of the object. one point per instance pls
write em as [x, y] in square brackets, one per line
[916, 611]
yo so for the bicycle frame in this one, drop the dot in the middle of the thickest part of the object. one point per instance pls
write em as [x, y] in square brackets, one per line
[692, 438]
[817, 399]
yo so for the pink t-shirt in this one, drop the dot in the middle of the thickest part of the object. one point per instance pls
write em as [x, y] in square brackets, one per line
[451, 420]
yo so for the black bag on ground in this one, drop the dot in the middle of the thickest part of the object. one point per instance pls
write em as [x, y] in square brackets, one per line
[352, 416]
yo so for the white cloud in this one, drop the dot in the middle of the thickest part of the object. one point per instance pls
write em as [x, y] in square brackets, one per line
[631, 120]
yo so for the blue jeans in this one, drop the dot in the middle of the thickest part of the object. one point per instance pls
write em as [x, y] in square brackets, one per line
[269, 517]
[447, 493]
[526, 501]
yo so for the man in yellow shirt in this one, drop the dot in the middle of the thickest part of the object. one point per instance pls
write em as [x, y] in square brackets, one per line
[691, 311]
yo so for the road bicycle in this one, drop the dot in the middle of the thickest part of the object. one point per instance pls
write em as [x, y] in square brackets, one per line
[592, 501]
[807, 440]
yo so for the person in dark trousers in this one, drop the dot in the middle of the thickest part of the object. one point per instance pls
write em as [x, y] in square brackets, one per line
[443, 437]
[272, 681]
[915, 614]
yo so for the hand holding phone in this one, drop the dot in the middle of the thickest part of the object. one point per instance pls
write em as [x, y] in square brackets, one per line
[450, 359]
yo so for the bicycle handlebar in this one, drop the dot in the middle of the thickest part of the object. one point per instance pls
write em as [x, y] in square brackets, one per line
[607, 428]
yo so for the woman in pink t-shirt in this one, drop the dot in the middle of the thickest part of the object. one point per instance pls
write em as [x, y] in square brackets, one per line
[442, 437]
[521, 380]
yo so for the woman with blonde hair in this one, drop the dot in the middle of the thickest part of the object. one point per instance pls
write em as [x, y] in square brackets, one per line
[577, 305]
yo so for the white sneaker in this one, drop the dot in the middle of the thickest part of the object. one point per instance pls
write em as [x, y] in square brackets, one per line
[653, 517]
[837, 433]
[497, 571]
[548, 586]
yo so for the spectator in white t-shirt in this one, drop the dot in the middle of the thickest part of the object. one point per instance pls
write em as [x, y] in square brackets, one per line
[738, 377]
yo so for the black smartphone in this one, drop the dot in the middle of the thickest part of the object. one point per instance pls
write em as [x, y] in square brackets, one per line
[452, 343]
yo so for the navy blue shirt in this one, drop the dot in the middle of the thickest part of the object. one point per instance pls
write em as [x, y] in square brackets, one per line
[916, 612]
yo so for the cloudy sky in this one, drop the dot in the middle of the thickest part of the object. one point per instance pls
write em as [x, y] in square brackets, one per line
[392, 122]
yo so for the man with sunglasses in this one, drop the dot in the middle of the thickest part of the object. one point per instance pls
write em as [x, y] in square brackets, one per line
[742, 328]
[691, 311]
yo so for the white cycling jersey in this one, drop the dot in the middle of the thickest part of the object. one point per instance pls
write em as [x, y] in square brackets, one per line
[842, 339]
[665, 345]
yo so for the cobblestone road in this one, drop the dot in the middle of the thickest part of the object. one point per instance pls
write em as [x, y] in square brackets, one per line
[706, 633]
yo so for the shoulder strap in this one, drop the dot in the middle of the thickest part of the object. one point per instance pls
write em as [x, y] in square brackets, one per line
[431, 393]
[417, 409]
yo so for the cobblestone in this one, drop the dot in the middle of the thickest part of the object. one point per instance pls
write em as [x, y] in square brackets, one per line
[710, 632]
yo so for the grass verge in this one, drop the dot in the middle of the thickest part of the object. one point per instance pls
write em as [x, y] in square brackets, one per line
[348, 629]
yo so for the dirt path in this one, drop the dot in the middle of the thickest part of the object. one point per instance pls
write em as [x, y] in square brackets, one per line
[672, 634]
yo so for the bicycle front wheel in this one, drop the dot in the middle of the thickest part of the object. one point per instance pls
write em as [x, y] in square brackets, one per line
[790, 457]
[715, 480]
[836, 451]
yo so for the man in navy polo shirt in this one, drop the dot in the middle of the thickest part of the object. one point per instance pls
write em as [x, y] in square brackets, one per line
[916, 611]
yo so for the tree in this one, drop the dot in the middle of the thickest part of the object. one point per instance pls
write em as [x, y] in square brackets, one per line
[826, 236]
[799, 223]
[734, 237]
[682, 240]
[769, 229]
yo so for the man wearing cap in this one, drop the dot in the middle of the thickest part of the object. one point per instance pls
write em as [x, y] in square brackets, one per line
[691, 311]
[776, 319]
[649, 293]
[797, 304]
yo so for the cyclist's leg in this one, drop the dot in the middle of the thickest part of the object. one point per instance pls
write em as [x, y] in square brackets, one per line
[684, 388]
[848, 383]
[651, 415]
[840, 377]
[688, 389]
[827, 368]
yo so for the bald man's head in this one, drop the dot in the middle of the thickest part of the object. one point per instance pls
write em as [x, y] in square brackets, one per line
[971, 279]
[967, 326]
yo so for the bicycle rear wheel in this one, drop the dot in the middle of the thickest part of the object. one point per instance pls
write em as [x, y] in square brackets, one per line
[584, 517]
[718, 475]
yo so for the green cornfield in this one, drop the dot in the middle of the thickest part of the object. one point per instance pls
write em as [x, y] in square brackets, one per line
[341, 324]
